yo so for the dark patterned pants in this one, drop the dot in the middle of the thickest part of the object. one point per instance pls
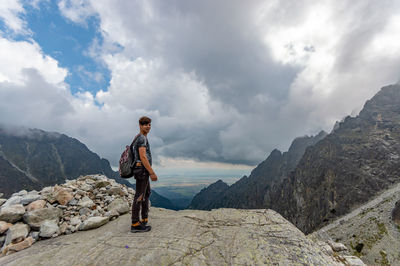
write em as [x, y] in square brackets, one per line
[141, 199]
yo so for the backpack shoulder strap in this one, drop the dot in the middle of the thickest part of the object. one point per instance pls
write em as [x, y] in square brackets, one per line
[135, 139]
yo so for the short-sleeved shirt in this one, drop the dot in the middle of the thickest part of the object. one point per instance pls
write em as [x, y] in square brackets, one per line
[142, 141]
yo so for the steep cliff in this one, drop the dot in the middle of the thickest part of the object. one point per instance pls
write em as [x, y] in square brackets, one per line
[345, 169]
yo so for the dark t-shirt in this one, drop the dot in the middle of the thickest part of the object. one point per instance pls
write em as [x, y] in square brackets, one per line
[142, 141]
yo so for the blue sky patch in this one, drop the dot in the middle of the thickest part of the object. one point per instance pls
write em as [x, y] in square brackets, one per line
[69, 43]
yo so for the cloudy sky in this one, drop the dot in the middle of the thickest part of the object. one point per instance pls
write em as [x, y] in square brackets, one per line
[225, 82]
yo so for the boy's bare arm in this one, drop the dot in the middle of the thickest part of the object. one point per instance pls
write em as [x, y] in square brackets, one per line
[146, 164]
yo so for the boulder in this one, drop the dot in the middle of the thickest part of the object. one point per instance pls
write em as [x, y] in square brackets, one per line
[111, 214]
[37, 217]
[75, 220]
[20, 193]
[63, 227]
[119, 205]
[73, 202]
[337, 247]
[63, 196]
[101, 184]
[14, 200]
[116, 191]
[4, 227]
[86, 187]
[84, 211]
[353, 261]
[16, 233]
[34, 235]
[86, 202]
[93, 222]
[49, 228]
[30, 197]
[26, 243]
[12, 213]
[36, 205]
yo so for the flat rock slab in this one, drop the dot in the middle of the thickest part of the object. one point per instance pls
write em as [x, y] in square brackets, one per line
[188, 237]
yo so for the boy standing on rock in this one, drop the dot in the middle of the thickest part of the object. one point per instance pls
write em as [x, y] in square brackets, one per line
[143, 170]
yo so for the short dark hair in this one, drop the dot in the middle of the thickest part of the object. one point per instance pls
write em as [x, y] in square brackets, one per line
[144, 120]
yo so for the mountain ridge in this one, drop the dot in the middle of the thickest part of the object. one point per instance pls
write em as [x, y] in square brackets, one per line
[44, 158]
[339, 172]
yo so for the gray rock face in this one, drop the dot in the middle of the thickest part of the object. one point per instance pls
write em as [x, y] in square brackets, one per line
[48, 229]
[75, 221]
[93, 222]
[219, 237]
[12, 213]
[84, 211]
[369, 231]
[14, 200]
[20, 193]
[85, 202]
[119, 205]
[28, 198]
[16, 233]
[37, 217]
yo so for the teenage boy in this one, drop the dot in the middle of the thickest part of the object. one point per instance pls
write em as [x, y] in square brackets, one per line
[141, 148]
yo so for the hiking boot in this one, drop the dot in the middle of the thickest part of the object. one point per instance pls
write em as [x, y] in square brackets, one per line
[138, 228]
[144, 221]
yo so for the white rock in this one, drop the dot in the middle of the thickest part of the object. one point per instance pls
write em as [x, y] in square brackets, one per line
[16, 233]
[75, 221]
[12, 213]
[30, 198]
[337, 246]
[119, 205]
[86, 202]
[21, 193]
[93, 222]
[12, 201]
[354, 261]
[49, 228]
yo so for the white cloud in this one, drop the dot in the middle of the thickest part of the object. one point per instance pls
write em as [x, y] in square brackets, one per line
[222, 83]
[18, 55]
[11, 12]
[76, 10]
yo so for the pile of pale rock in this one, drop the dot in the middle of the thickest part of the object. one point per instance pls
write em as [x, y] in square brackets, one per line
[82, 204]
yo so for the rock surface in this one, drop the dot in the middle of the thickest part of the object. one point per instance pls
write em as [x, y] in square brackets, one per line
[12, 213]
[16, 233]
[49, 229]
[369, 231]
[93, 222]
[37, 217]
[219, 237]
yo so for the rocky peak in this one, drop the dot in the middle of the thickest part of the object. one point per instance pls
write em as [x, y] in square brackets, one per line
[250, 192]
[346, 168]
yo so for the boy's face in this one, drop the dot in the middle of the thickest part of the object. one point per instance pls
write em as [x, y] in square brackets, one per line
[145, 128]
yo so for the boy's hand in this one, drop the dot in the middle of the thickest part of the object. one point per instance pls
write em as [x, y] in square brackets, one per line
[153, 177]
